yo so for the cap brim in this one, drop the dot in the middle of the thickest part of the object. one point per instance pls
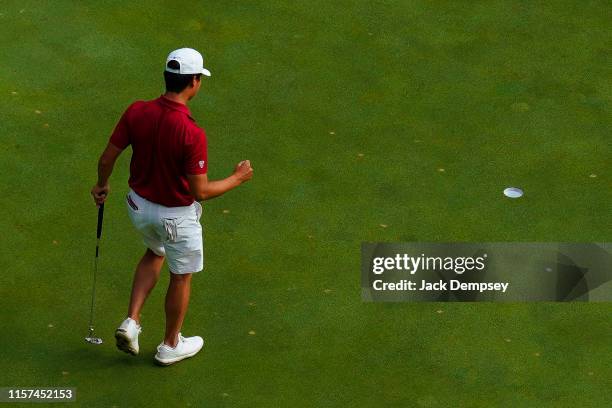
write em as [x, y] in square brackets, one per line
[205, 72]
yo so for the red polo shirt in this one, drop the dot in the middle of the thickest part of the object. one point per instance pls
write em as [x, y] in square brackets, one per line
[166, 146]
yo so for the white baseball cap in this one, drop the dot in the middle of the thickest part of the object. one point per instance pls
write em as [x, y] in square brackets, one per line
[190, 62]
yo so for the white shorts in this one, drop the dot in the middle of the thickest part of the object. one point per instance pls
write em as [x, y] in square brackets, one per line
[173, 232]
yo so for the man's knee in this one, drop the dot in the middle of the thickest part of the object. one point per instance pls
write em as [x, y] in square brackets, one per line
[180, 277]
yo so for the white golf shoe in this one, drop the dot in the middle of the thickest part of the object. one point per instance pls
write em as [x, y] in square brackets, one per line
[127, 336]
[185, 347]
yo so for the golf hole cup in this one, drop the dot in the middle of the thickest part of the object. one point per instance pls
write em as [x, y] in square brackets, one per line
[513, 192]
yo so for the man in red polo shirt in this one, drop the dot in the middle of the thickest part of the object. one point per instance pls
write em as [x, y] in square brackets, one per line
[168, 176]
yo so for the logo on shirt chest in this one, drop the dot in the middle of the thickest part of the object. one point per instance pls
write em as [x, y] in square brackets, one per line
[201, 164]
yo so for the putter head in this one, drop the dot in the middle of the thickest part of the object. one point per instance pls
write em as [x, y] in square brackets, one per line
[91, 339]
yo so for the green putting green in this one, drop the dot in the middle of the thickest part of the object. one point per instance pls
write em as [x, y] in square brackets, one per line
[364, 121]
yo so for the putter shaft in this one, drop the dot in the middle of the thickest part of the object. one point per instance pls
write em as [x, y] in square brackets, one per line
[91, 338]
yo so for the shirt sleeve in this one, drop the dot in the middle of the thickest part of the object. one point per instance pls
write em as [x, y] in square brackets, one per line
[196, 154]
[121, 134]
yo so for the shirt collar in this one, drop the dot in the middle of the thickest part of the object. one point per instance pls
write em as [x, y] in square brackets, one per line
[174, 105]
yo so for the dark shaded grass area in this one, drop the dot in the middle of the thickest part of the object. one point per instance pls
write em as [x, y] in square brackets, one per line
[348, 111]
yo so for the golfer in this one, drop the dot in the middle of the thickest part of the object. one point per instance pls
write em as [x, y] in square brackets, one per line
[168, 176]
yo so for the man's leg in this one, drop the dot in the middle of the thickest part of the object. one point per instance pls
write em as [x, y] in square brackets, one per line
[145, 278]
[177, 299]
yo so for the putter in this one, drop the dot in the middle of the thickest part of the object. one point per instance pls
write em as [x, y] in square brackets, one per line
[91, 338]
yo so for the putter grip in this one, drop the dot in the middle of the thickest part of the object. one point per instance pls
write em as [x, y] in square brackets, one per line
[100, 218]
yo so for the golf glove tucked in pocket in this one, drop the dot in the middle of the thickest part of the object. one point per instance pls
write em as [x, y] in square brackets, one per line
[171, 228]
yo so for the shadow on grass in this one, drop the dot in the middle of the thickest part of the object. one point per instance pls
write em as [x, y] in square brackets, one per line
[107, 356]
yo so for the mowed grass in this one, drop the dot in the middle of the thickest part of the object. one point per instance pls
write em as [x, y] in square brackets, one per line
[364, 121]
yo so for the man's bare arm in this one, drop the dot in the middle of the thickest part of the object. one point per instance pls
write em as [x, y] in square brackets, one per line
[105, 168]
[203, 189]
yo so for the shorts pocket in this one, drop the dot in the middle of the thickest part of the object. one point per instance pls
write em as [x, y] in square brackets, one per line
[130, 202]
[198, 210]
[171, 228]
